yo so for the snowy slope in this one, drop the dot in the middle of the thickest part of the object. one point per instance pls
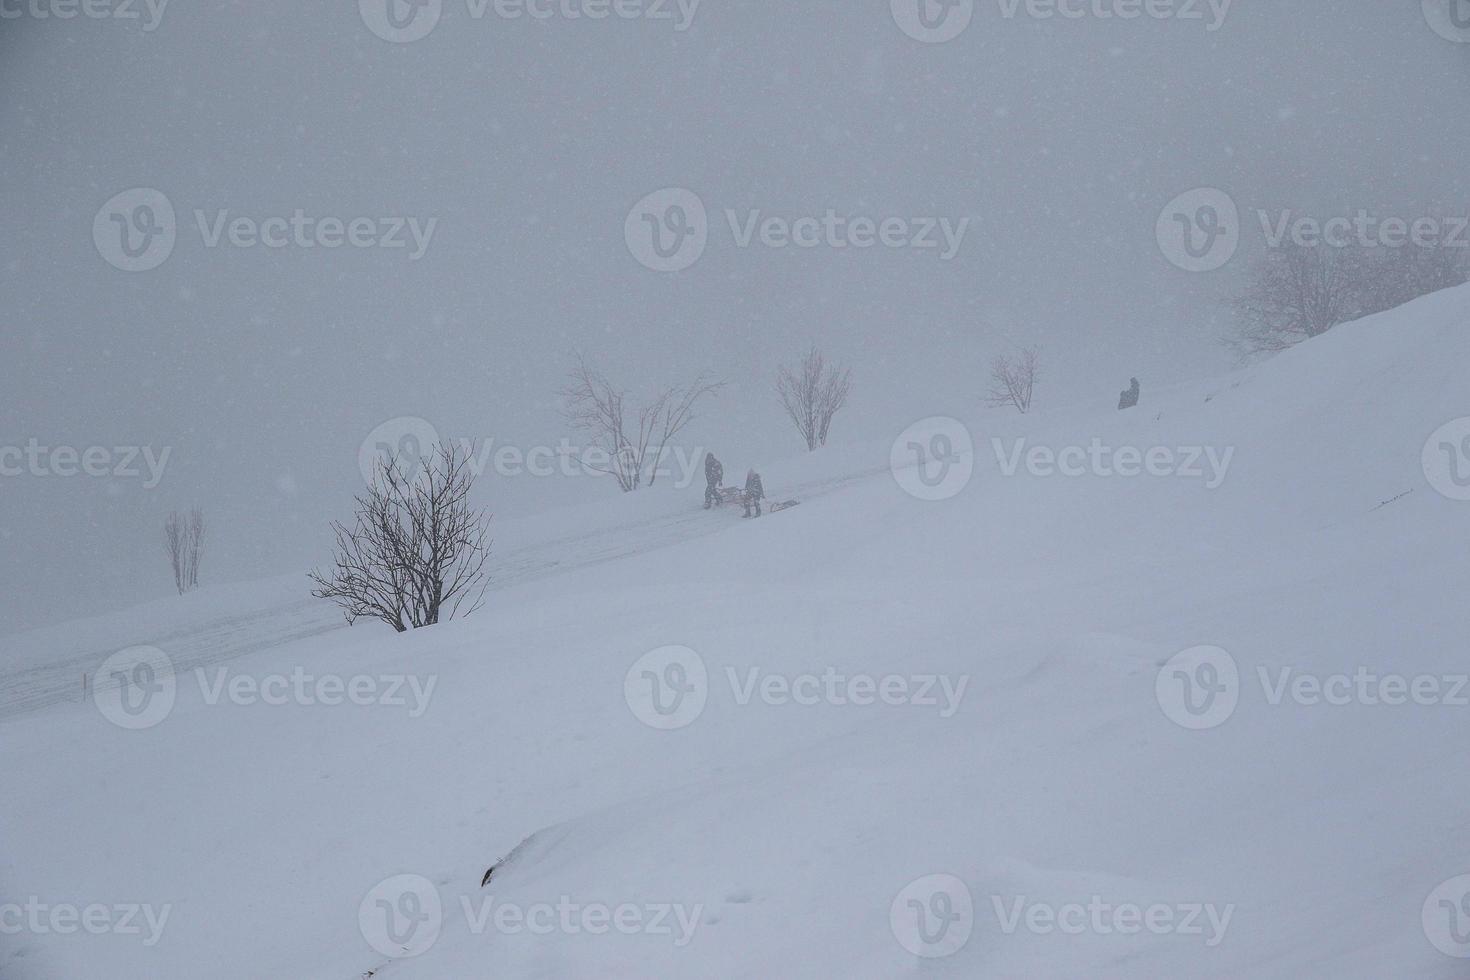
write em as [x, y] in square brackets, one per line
[781, 839]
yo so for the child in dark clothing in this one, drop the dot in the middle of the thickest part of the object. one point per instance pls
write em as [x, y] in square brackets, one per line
[754, 494]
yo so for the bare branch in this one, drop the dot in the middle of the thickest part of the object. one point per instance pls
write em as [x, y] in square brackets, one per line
[416, 551]
[635, 445]
[812, 394]
[1013, 379]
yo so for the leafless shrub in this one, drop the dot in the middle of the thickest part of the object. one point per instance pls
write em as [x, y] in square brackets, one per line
[1405, 273]
[1013, 379]
[635, 439]
[416, 551]
[1296, 293]
[811, 394]
[1299, 292]
[184, 543]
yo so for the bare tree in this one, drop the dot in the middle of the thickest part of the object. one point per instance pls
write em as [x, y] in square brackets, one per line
[635, 439]
[416, 551]
[1406, 273]
[1297, 293]
[1013, 379]
[812, 394]
[184, 544]
[195, 545]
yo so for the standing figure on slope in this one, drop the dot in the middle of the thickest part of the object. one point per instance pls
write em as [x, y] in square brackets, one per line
[755, 492]
[1129, 398]
[714, 472]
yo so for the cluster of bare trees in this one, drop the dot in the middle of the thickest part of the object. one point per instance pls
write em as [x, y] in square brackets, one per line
[635, 437]
[1299, 292]
[1013, 379]
[184, 543]
[813, 392]
[416, 551]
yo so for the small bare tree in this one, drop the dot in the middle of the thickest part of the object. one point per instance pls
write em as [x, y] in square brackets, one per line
[184, 543]
[812, 393]
[1408, 272]
[1296, 293]
[1013, 379]
[635, 439]
[1299, 292]
[416, 551]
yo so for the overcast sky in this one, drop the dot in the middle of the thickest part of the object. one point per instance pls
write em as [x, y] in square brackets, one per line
[1052, 143]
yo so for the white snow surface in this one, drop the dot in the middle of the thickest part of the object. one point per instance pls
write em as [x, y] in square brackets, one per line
[787, 831]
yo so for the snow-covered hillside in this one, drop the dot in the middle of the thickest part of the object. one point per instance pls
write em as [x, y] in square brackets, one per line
[909, 737]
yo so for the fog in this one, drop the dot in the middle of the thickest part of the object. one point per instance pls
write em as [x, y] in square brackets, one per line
[517, 148]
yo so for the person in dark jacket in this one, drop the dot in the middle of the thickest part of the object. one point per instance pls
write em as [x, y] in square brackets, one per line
[755, 492]
[714, 472]
[1129, 398]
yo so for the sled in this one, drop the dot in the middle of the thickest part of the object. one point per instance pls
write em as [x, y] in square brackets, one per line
[735, 495]
[729, 495]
